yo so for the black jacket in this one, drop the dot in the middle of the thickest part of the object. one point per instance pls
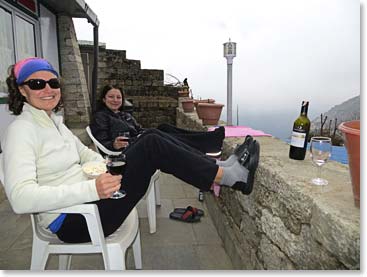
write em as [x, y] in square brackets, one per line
[106, 126]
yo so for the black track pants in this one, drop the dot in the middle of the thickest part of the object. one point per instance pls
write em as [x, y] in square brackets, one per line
[150, 152]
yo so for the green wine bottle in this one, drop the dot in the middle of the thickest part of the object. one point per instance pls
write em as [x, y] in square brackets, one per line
[301, 129]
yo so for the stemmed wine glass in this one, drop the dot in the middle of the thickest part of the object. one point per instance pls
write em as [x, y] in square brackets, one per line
[320, 152]
[125, 136]
[115, 165]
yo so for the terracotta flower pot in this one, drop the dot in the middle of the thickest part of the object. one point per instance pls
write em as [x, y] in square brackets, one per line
[351, 133]
[209, 113]
[188, 105]
[196, 101]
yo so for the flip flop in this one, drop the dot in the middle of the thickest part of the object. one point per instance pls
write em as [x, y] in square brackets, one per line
[188, 216]
[196, 211]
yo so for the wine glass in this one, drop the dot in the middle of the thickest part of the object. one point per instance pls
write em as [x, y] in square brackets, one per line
[320, 152]
[125, 136]
[115, 165]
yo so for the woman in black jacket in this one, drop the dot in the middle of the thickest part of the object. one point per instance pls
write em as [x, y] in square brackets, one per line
[172, 149]
[110, 122]
[175, 151]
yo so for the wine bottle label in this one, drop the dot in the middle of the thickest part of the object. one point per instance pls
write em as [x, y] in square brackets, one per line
[298, 139]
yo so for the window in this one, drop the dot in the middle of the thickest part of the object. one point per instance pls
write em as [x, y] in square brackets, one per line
[6, 46]
[25, 38]
[19, 38]
[18, 33]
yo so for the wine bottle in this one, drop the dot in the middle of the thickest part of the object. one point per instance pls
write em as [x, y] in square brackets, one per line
[301, 129]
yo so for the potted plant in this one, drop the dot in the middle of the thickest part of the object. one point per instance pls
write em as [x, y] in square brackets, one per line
[209, 113]
[184, 92]
[351, 134]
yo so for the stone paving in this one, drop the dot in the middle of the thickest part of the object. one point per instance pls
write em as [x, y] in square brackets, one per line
[175, 246]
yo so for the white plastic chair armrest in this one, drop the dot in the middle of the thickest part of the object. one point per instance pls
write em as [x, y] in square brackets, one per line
[91, 214]
[100, 145]
[214, 154]
[76, 209]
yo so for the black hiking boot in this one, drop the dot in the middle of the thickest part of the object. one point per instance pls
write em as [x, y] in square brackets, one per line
[250, 160]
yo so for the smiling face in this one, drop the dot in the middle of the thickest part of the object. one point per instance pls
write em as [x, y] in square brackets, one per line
[113, 99]
[44, 99]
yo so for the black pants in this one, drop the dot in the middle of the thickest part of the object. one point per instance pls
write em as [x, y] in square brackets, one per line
[153, 150]
[205, 142]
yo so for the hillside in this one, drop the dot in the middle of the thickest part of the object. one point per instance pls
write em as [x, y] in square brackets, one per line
[346, 111]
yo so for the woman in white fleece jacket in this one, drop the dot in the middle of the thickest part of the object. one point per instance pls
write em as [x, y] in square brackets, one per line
[43, 160]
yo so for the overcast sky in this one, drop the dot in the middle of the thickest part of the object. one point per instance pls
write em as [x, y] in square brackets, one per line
[287, 50]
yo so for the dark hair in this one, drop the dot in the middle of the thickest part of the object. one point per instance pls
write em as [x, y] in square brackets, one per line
[103, 93]
[16, 99]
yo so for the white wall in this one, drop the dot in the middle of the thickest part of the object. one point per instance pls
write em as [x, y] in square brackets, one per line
[5, 118]
[49, 37]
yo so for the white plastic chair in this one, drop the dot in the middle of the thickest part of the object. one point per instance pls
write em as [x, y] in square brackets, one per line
[99, 146]
[113, 248]
[153, 194]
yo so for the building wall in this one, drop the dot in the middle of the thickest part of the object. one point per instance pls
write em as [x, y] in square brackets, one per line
[74, 89]
[286, 223]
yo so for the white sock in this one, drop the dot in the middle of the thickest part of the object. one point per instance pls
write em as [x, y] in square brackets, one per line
[230, 161]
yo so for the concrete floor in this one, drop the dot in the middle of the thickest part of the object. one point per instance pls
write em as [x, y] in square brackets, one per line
[175, 246]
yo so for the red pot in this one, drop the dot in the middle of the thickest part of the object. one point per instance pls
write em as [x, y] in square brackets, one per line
[188, 105]
[209, 113]
[351, 133]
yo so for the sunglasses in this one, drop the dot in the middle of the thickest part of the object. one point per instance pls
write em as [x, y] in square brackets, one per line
[38, 84]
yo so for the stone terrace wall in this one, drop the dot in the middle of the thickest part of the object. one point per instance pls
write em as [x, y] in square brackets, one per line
[286, 223]
[74, 89]
[153, 102]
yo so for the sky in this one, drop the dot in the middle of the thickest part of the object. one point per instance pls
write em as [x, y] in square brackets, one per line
[287, 50]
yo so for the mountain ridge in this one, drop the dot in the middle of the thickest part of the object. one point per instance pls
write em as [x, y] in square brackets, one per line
[346, 111]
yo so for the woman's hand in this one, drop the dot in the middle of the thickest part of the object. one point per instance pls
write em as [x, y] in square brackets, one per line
[120, 142]
[107, 184]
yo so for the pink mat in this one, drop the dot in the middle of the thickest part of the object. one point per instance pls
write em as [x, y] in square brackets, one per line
[242, 131]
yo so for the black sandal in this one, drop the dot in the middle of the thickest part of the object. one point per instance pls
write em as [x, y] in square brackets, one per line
[196, 211]
[187, 216]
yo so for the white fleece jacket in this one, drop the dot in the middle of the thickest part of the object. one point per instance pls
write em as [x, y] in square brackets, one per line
[42, 163]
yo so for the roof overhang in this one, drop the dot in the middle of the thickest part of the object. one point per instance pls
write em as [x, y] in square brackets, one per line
[74, 8]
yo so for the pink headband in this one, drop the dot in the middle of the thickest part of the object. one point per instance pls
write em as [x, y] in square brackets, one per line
[24, 68]
[18, 66]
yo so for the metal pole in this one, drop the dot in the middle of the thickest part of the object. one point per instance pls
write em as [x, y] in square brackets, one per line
[229, 94]
[229, 54]
[95, 68]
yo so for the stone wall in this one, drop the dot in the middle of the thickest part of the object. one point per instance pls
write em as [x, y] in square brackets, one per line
[74, 89]
[153, 102]
[286, 223]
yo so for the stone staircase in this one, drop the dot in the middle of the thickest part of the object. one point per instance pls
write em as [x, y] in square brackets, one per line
[154, 103]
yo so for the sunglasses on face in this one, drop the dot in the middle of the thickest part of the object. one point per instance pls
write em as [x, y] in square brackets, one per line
[38, 84]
